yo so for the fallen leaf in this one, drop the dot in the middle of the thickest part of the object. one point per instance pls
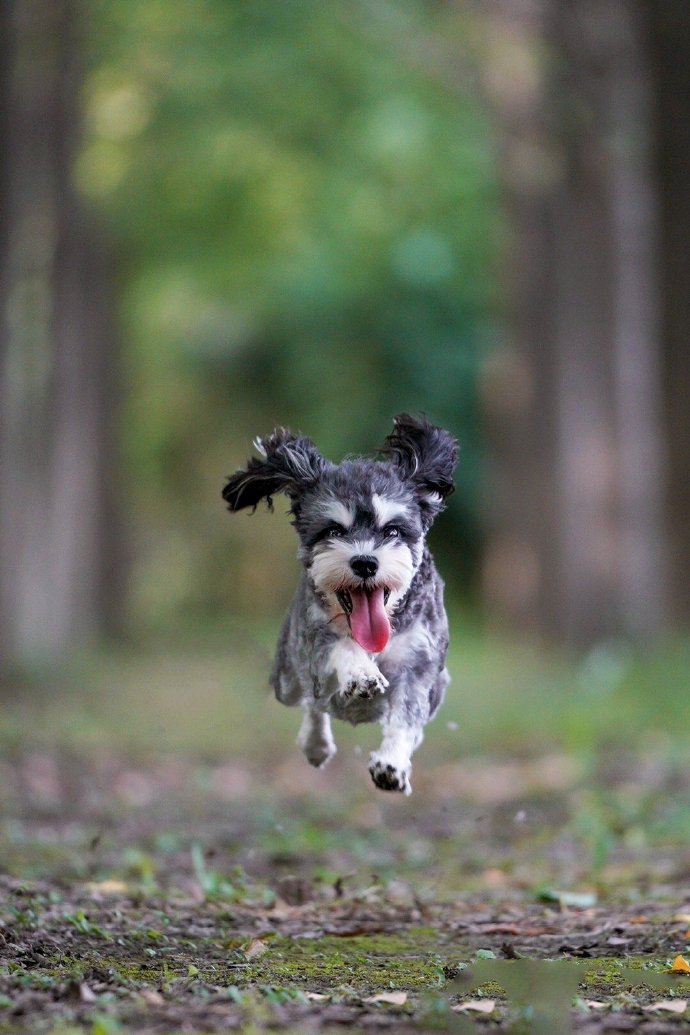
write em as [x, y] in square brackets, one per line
[595, 1004]
[679, 966]
[569, 899]
[255, 948]
[107, 887]
[316, 997]
[669, 1005]
[514, 929]
[282, 911]
[86, 994]
[682, 918]
[476, 1006]
[151, 997]
[394, 998]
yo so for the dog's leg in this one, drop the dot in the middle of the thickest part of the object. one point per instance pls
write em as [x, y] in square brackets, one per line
[315, 738]
[390, 766]
[351, 673]
[287, 687]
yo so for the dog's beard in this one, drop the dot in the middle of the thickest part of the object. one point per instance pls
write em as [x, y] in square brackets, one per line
[366, 605]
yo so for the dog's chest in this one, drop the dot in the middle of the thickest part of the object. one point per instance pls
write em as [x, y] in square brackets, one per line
[357, 710]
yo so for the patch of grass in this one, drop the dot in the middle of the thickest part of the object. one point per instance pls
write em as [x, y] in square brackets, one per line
[360, 965]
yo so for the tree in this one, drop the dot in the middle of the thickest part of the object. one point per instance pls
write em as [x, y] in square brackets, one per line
[668, 26]
[577, 547]
[56, 355]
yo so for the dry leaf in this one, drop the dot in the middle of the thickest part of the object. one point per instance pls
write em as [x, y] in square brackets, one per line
[476, 1006]
[151, 997]
[316, 997]
[395, 998]
[682, 918]
[669, 1005]
[255, 948]
[679, 966]
[107, 887]
[595, 1004]
[86, 994]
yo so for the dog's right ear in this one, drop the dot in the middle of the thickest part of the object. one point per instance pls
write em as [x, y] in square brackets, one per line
[289, 463]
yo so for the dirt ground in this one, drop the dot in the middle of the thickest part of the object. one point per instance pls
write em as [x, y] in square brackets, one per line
[154, 893]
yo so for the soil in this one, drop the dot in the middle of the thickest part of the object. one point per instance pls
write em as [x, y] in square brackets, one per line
[161, 894]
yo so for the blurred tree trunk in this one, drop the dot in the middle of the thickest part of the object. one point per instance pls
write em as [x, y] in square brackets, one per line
[576, 551]
[669, 30]
[57, 588]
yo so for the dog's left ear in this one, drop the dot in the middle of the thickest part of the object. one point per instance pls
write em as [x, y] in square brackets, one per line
[289, 463]
[426, 456]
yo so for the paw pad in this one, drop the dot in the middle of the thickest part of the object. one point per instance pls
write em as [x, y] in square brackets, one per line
[364, 685]
[388, 777]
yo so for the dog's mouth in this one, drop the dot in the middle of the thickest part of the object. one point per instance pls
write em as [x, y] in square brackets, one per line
[345, 598]
[365, 610]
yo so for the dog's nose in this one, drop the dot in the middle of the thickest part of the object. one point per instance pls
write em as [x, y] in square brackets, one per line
[364, 566]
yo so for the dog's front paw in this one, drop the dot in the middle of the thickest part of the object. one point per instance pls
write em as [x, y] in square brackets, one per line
[364, 684]
[389, 777]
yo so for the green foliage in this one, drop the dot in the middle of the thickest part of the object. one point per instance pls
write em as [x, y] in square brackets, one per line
[302, 200]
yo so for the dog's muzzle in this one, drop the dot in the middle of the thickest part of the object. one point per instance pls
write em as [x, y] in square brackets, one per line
[365, 606]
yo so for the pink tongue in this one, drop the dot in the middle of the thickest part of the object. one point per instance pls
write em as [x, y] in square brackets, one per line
[369, 622]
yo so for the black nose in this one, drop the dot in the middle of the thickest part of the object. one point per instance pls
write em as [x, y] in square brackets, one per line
[364, 566]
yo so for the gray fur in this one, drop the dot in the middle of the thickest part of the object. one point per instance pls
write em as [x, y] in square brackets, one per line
[383, 509]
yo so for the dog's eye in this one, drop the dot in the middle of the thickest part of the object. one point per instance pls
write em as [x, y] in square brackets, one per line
[392, 532]
[333, 532]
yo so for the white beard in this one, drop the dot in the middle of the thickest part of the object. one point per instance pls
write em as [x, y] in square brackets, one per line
[330, 568]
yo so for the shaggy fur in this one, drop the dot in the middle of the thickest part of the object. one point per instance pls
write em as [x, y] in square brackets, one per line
[366, 636]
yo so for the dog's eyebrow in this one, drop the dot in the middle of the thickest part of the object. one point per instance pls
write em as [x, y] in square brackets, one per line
[386, 511]
[337, 511]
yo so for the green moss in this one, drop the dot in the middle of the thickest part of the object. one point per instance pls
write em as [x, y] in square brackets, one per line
[363, 964]
[643, 977]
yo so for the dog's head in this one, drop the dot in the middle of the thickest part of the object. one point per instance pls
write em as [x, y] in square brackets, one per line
[361, 523]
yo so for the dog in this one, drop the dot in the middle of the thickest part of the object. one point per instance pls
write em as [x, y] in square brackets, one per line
[366, 636]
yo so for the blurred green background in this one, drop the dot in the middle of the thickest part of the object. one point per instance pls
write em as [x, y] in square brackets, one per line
[223, 215]
[309, 219]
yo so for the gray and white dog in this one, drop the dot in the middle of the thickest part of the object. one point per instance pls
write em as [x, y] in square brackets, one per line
[366, 636]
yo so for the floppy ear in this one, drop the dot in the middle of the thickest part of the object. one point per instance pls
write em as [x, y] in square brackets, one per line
[289, 464]
[425, 455]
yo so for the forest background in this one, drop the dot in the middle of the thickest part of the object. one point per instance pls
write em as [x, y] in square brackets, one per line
[219, 216]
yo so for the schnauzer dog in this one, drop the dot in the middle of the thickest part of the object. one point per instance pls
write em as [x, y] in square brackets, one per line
[366, 636]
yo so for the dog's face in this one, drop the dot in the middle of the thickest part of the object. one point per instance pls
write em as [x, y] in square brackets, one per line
[361, 540]
[361, 523]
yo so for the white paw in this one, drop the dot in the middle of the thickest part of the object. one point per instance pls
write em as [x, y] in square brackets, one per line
[365, 682]
[317, 750]
[319, 755]
[389, 776]
[316, 739]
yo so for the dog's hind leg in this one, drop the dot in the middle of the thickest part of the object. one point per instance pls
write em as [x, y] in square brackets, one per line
[287, 687]
[315, 737]
[390, 766]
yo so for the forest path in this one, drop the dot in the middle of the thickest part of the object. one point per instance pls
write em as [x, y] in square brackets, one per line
[159, 894]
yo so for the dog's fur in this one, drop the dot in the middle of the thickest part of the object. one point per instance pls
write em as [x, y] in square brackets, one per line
[366, 636]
